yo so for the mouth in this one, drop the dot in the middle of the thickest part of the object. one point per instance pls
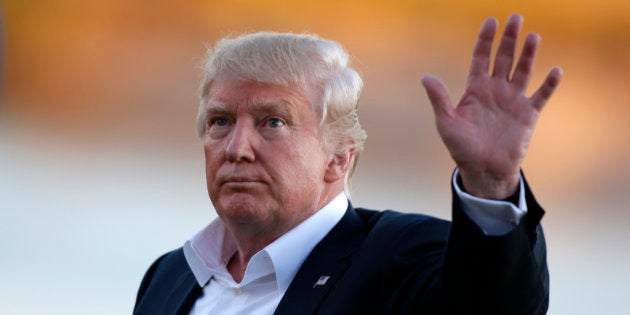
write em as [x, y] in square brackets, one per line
[238, 182]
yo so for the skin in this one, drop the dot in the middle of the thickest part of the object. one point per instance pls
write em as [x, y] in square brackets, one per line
[489, 131]
[266, 168]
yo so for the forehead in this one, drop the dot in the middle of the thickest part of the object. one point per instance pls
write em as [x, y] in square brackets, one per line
[230, 93]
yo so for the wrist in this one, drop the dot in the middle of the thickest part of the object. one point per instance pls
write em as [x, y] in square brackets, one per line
[487, 186]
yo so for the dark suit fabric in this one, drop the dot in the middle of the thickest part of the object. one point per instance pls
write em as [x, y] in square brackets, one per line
[393, 263]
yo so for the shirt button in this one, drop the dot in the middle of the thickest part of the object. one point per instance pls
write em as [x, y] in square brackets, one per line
[238, 291]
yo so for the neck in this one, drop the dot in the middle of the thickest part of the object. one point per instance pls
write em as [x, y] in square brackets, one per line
[248, 243]
[236, 266]
[252, 239]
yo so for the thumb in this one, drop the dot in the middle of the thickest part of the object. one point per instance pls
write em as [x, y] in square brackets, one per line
[438, 95]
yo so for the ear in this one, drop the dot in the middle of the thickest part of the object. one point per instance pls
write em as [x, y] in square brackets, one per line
[338, 166]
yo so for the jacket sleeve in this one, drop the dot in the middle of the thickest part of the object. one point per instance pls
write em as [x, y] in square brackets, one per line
[504, 274]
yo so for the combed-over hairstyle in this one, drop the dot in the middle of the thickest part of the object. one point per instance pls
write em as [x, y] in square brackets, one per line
[301, 60]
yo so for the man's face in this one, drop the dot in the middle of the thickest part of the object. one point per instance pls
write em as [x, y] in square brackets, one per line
[265, 164]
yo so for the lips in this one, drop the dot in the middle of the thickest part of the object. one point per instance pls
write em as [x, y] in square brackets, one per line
[239, 179]
[242, 186]
[241, 182]
[233, 177]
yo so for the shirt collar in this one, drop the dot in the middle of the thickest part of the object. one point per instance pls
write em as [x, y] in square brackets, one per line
[290, 250]
[207, 252]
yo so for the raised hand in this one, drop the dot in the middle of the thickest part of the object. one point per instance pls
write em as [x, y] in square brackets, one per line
[490, 129]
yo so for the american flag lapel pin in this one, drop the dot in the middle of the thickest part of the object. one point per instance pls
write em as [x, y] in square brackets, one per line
[321, 281]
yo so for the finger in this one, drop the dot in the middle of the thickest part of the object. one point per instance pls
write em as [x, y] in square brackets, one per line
[438, 95]
[481, 53]
[523, 70]
[505, 52]
[544, 92]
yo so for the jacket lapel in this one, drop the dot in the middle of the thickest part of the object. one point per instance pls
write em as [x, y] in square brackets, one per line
[182, 298]
[324, 266]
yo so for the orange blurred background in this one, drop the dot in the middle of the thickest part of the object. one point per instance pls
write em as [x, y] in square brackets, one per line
[101, 170]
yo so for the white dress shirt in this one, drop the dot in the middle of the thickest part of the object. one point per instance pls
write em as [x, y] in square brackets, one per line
[271, 270]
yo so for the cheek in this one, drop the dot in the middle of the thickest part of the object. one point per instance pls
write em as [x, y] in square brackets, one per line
[307, 164]
[212, 158]
[207, 153]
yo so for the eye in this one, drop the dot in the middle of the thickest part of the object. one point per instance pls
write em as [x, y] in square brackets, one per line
[219, 122]
[217, 126]
[274, 123]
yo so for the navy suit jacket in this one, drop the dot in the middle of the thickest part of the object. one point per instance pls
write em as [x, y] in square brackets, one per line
[386, 262]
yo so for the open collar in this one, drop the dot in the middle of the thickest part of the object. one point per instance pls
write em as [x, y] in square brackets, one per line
[208, 252]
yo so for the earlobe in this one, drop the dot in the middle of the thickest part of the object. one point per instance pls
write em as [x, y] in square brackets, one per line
[339, 165]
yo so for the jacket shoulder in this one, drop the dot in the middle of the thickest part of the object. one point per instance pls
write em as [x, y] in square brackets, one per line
[163, 273]
[396, 223]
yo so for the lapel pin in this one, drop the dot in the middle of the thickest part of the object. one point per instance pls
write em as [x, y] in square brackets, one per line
[322, 281]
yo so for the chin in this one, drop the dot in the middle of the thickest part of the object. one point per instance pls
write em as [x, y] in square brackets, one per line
[242, 208]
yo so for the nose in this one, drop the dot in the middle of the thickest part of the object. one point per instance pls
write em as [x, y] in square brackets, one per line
[240, 146]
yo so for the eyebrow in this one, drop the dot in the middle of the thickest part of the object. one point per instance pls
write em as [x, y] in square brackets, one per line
[256, 106]
[216, 109]
[279, 106]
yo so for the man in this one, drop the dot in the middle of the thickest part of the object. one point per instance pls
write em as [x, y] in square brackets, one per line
[281, 137]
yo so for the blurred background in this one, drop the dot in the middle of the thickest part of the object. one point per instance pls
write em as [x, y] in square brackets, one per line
[101, 170]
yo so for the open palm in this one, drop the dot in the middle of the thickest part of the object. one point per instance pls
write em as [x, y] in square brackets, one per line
[489, 130]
